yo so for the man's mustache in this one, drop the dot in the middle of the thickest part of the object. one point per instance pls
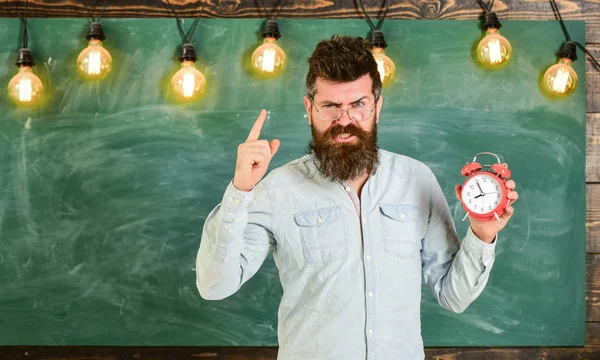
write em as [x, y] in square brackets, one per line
[348, 129]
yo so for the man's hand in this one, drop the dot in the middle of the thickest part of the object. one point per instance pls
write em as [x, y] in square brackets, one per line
[253, 157]
[487, 230]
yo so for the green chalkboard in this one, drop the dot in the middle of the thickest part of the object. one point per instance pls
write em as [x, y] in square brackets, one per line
[105, 189]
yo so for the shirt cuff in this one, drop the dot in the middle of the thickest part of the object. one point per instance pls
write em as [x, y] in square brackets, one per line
[478, 247]
[235, 200]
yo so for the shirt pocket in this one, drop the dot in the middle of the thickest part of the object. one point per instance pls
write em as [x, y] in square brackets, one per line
[323, 235]
[400, 228]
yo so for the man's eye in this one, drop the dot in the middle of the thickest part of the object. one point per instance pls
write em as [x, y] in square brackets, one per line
[359, 104]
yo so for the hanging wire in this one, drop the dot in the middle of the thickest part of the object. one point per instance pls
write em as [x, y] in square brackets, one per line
[187, 38]
[567, 36]
[103, 9]
[284, 3]
[90, 12]
[590, 54]
[24, 21]
[192, 30]
[369, 21]
[281, 8]
[484, 7]
[264, 7]
[562, 24]
[366, 15]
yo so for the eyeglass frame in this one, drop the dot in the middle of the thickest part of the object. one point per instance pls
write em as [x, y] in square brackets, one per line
[312, 101]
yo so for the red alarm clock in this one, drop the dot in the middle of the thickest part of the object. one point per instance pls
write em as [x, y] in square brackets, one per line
[484, 194]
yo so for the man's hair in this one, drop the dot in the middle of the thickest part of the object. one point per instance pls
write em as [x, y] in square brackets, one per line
[342, 59]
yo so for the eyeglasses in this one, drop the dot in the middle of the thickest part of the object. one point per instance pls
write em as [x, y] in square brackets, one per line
[332, 113]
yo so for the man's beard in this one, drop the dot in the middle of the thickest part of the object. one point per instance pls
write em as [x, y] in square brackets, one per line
[344, 161]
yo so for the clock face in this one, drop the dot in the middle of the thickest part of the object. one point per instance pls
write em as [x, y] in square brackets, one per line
[482, 193]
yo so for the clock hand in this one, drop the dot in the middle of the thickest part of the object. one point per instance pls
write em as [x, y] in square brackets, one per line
[479, 187]
[478, 196]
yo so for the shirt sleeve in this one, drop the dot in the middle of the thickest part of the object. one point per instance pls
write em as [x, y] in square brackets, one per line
[455, 273]
[236, 239]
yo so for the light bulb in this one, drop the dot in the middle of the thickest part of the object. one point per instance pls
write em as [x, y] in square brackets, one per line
[268, 59]
[494, 50]
[25, 88]
[188, 83]
[94, 61]
[560, 79]
[385, 65]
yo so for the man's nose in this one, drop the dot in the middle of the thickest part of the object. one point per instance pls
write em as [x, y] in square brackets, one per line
[345, 119]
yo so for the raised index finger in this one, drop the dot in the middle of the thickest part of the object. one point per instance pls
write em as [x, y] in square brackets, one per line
[255, 132]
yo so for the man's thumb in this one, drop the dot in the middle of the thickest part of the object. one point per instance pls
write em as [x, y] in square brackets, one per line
[274, 144]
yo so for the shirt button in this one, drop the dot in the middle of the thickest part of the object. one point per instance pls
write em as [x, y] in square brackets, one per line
[225, 227]
[368, 257]
[370, 294]
[401, 216]
[364, 221]
[348, 189]
[319, 220]
[236, 201]
[370, 331]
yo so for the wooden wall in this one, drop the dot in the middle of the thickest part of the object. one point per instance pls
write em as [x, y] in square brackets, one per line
[399, 9]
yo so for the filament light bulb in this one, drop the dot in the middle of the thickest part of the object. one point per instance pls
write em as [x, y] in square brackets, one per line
[188, 83]
[268, 59]
[25, 88]
[385, 65]
[95, 62]
[494, 50]
[561, 79]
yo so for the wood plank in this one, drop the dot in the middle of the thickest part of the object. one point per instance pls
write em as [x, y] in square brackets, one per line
[592, 295]
[402, 9]
[592, 75]
[592, 173]
[593, 219]
[590, 351]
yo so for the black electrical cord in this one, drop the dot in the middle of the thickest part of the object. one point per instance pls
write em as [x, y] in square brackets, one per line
[25, 58]
[187, 38]
[484, 7]
[270, 15]
[90, 12]
[562, 23]
[568, 37]
[24, 21]
[369, 21]
[590, 55]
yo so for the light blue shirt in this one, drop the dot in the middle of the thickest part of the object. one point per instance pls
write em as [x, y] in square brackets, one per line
[350, 269]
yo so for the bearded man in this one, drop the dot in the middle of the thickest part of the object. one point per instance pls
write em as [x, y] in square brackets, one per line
[353, 228]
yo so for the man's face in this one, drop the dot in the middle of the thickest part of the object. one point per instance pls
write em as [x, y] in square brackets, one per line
[342, 157]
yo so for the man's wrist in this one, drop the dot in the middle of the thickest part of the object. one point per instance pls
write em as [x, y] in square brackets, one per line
[486, 238]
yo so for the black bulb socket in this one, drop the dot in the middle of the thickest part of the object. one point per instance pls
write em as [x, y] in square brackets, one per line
[377, 39]
[568, 50]
[188, 53]
[24, 58]
[491, 21]
[271, 30]
[96, 32]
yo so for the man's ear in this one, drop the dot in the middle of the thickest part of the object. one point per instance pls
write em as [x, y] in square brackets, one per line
[379, 105]
[308, 106]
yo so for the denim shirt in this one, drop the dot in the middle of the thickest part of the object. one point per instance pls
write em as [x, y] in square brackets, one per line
[350, 268]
